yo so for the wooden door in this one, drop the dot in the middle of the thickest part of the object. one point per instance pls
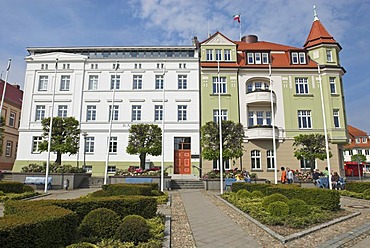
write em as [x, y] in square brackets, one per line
[182, 162]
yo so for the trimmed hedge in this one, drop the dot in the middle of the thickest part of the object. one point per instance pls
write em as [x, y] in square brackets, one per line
[129, 189]
[12, 187]
[323, 198]
[38, 226]
[358, 187]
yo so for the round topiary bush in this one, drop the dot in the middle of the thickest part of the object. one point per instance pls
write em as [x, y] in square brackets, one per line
[298, 207]
[257, 194]
[278, 209]
[2, 193]
[274, 198]
[82, 245]
[366, 193]
[243, 193]
[27, 188]
[133, 229]
[100, 223]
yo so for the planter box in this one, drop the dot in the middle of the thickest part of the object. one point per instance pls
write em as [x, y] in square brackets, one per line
[75, 179]
[156, 179]
[214, 184]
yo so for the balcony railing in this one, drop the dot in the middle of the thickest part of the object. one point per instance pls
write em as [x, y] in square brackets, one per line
[260, 96]
[261, 132]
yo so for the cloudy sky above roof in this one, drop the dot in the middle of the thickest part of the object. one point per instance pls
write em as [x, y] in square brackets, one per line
[40, 23]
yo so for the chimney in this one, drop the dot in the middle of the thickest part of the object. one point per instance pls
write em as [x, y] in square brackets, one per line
[250, 38]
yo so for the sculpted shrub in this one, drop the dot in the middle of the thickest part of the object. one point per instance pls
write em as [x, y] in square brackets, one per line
[133, 229]
[273, 198]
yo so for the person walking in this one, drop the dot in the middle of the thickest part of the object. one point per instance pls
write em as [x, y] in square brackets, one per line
[283, 178]
[289, 176]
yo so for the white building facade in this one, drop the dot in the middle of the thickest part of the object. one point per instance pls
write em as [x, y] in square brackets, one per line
[146, 77]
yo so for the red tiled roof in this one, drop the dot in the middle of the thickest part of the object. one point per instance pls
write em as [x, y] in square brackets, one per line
[13, 94]
[264, 45]
[354, 133]
[318, 35]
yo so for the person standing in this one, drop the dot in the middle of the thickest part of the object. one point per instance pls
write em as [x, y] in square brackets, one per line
[289, 176]
[283, 178]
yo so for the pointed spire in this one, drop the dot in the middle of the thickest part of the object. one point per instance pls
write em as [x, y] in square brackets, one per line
[315, 16]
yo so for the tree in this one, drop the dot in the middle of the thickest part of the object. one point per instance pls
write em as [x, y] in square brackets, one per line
[310, 147]
[144, 139]
[359, 158]
[2, 123]
[232, 140]
[65, 136]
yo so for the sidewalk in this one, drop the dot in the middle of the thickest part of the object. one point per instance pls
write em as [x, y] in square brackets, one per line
[210, 226]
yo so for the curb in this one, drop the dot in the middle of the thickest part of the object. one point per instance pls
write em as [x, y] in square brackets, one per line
[285, 239]
[36, 196]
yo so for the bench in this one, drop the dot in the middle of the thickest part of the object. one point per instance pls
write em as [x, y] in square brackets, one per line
[139, 180]
[229, 182]
[38, 181]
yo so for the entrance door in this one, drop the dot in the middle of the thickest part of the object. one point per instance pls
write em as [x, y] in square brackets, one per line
[182, 153]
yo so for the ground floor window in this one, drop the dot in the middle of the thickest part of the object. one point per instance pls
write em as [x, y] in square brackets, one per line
[88, 168]
[225, 162]
[256, 159]
[111, 169]
[270, 159]
[306, 164]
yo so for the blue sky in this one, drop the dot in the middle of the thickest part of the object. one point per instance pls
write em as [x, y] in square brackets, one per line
[41, 23]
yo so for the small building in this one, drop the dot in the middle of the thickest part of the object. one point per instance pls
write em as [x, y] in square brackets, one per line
[12, 113]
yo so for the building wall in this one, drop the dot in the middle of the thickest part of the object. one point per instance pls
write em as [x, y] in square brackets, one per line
[80, 96]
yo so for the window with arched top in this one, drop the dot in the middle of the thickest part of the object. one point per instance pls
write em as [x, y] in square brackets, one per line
[257, 86]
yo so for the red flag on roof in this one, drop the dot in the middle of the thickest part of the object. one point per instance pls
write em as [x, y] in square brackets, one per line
[237, 17]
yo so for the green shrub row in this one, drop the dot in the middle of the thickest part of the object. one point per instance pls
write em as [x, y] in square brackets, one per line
[358, 187]
[14, 187]
[15, 196]
[38, 226]
[325, 199]
[129, 189]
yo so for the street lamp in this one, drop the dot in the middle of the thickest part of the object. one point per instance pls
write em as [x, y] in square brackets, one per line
[85, 135]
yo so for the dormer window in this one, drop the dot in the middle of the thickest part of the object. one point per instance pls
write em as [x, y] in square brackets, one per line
[364, 140]
[298, 58]
[257, 58]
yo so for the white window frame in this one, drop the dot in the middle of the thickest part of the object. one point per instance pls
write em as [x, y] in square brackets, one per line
[40, 112]
[209, 54]
[250, 57]
[329, 55]
[90, 113]
[301, 86]
[115, 82]
[136, 113]
[336, 118]
[182, 112]
[258, 59]
[115, 112]
[111, 169]
[36, 141]
[113, 145]
[216, 115]
[43, 83]
[137, 82]
[62, 111]
[158, 112]
[256, 160]
[250, 118]
[295, 60]
[90, 145]
[227, 54]
[358, 140]
[182, 82]
[159, 82]
[8, 148]
[333, 85]
[93, 82]
[218, 54]
[12, 117]
[270, 159]
[65, 82]
[367, 152]
[304, 116]
[215, 85]
[302, 58]
[265, 58]
[364, 140]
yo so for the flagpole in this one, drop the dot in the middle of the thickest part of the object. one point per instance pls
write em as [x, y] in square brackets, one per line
[273, 126]
[51, 126]
[240, 29]
[220, 127]
[163, 103]
[325, 131]
[4, 89]
[110, 125]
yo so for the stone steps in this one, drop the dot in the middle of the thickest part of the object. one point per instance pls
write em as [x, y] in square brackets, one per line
[186, 184]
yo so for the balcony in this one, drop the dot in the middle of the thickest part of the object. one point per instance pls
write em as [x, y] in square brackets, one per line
[261, 132]
[260, 96]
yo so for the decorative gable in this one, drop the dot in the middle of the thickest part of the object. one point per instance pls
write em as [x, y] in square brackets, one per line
[218, 39]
